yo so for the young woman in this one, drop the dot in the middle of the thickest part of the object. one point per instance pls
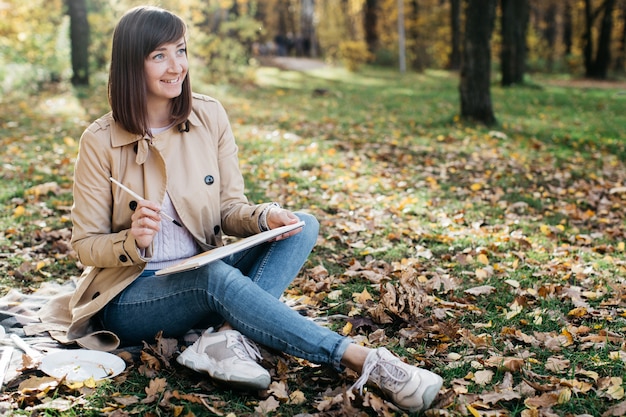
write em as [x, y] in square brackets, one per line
[176, 150]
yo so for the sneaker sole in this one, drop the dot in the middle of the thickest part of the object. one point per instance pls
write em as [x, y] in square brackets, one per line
[204, 364]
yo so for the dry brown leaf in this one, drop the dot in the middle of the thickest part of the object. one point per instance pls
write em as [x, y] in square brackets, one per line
[616, 410]
[548, 399]
[494, 397]
[483, 377]
[362, 297]
[279, 390]
[297, 397]
[508, 363]
[126, 399]
[267, 406]
[150, 361]
[557, 364]
[482, 290]
[38, 384]
[192, 398]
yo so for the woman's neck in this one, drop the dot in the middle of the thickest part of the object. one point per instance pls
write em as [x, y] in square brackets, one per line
[159, 114]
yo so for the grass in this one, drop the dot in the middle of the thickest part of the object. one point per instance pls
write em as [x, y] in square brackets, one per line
[405, 191]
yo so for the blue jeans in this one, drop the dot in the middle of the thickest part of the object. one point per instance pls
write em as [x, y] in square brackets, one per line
[243, 290]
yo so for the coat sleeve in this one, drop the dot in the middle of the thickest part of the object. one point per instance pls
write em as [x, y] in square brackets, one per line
[93, 237]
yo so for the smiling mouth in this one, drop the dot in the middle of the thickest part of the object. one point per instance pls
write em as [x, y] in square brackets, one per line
[174, 81]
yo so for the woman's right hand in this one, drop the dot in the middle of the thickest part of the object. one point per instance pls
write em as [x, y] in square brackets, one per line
[146, 222]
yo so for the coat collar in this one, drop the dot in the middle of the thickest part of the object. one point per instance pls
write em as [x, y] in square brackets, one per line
[120, 137]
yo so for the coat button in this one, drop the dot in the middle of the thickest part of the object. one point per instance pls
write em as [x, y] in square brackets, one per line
[132, 205]
[208, 180]
[96, 295]
[123, 258]
[216, 230]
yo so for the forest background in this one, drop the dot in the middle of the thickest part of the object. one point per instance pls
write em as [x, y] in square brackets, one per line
[492, 253]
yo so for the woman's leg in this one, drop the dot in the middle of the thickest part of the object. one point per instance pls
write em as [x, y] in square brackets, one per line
[175, 303]
[274, 265]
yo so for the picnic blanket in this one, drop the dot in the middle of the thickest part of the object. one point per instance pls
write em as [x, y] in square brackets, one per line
[18, 316]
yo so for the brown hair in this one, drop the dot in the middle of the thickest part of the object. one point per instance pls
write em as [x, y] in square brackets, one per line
[138, 33]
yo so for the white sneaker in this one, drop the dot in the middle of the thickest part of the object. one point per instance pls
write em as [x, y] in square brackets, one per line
[229, 357]
[409, 387]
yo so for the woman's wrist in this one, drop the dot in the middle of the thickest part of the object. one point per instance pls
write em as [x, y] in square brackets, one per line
[263, 223]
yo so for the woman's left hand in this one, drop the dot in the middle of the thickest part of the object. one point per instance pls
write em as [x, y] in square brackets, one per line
[278, 217]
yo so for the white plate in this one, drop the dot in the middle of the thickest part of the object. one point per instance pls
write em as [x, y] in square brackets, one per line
[77, 365]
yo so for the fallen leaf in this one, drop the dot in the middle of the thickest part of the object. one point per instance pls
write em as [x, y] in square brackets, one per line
[267, 406]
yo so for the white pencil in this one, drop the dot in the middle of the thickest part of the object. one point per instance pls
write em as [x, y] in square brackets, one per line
[138, 197]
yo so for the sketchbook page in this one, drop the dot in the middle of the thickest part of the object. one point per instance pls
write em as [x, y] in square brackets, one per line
[5, 360]
[223, 251]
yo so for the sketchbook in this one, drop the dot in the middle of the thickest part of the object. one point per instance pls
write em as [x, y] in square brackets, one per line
[5, 360]
[223, 251]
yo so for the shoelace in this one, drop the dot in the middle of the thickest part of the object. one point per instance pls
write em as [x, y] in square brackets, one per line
[243, 348]
[388, 372]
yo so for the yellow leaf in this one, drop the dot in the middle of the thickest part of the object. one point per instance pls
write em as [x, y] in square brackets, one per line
[19, 211]
[89, 383]
[69, 141]
[578, 312]
[621, 246]
[40, 265]
[482, 258]
[565, 395]
[515, 310]
[347, 329]
[361, 297]
[74, 385]
[473, 411]
[476, 186]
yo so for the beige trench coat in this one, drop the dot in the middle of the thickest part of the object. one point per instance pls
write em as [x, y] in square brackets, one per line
[200, 171]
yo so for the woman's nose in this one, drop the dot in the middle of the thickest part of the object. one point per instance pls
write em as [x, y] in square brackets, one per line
[177, 65]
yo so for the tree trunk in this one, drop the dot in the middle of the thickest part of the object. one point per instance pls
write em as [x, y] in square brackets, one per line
[568, 27]
[79, 38]
[603, 57]
[514, 26]
[418, 60]
[475, 86]
[370, 22]
[455, 26]
[597, 64]
[620, 61]
[549, 33]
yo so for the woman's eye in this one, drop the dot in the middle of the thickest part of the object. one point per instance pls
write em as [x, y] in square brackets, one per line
[158, 56]
[182, 51]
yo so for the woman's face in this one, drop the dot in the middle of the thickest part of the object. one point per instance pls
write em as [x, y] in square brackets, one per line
[166, 68]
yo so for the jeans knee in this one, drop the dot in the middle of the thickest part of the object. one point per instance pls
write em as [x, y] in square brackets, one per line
[311, 227]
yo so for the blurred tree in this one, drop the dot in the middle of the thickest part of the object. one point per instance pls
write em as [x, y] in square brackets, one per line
[598, 56]
[568, 30]
[475, 86]
[79, 38]
[549, 32]
[417, 57]
[370, 23]
[620, 60]
[454, 59]
[514, 24]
